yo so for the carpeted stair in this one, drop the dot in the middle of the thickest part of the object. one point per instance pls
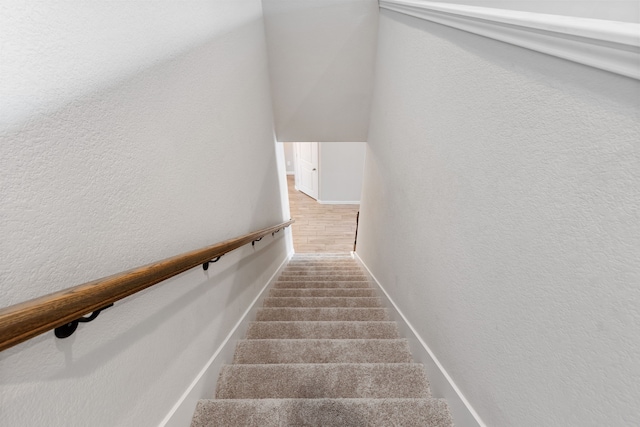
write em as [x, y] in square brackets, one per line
[322, 352]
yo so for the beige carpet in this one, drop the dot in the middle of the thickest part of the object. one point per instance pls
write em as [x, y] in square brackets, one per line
[322, 352]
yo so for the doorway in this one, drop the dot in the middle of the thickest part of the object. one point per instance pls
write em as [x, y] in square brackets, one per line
[324, 226]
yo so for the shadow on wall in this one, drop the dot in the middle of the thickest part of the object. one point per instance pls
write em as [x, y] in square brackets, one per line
[197, 312]
[516, 59]
[66, 189]
[129, 174]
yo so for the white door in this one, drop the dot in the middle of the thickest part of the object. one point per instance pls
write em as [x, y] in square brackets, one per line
[307, 168]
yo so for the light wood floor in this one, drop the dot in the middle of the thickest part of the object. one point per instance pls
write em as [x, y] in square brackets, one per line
[318, 227]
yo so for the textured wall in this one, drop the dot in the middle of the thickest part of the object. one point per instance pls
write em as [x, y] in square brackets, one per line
[341, 168]
[130, 132]
[501, 210]
[289, 157]
[321, 55]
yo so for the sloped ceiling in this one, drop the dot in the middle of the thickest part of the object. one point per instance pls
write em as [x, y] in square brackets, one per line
[321, 60]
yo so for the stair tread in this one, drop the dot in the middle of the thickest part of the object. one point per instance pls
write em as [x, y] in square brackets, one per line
[322, 313]
[324, 278]
[320, 261]
[313, 380]
[337, 261]
[322, 412]
[322, 255]
[321, 284]
[322, 329]
[347, 269]
[325, 272]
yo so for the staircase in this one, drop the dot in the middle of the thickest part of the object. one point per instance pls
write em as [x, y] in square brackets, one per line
[322, 352]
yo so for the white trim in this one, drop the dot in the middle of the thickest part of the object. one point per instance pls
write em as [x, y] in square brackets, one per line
[609, 45]
[291, 172]
[442, 385]
[339, 202]
[182, 412]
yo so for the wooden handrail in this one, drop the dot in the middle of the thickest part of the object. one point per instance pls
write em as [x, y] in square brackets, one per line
[28, 319]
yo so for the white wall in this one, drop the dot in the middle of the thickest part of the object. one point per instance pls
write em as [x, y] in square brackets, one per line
[341, 169]
[289, 156]
[130, 132]
[500, 210]
[321, 55]
[611, 10]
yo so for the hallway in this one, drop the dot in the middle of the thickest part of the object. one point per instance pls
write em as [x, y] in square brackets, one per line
[320, 228]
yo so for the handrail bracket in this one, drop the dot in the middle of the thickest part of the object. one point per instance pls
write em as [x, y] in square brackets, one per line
[68, 329]
[205, 266]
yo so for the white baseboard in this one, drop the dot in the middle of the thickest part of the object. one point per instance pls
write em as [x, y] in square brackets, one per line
[339, 202]
[182, 412]
[291, 173]
[442, 384]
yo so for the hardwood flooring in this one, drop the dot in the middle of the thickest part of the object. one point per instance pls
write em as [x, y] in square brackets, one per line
[320, 228]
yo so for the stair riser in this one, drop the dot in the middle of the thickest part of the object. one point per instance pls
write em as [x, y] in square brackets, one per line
[323, 267]
[322, 314]
[322, 271]
[322, 330]
[322, 351]
[309, 381]
[322, 302]
[322, 257]
[328, 269]
[322, 293]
